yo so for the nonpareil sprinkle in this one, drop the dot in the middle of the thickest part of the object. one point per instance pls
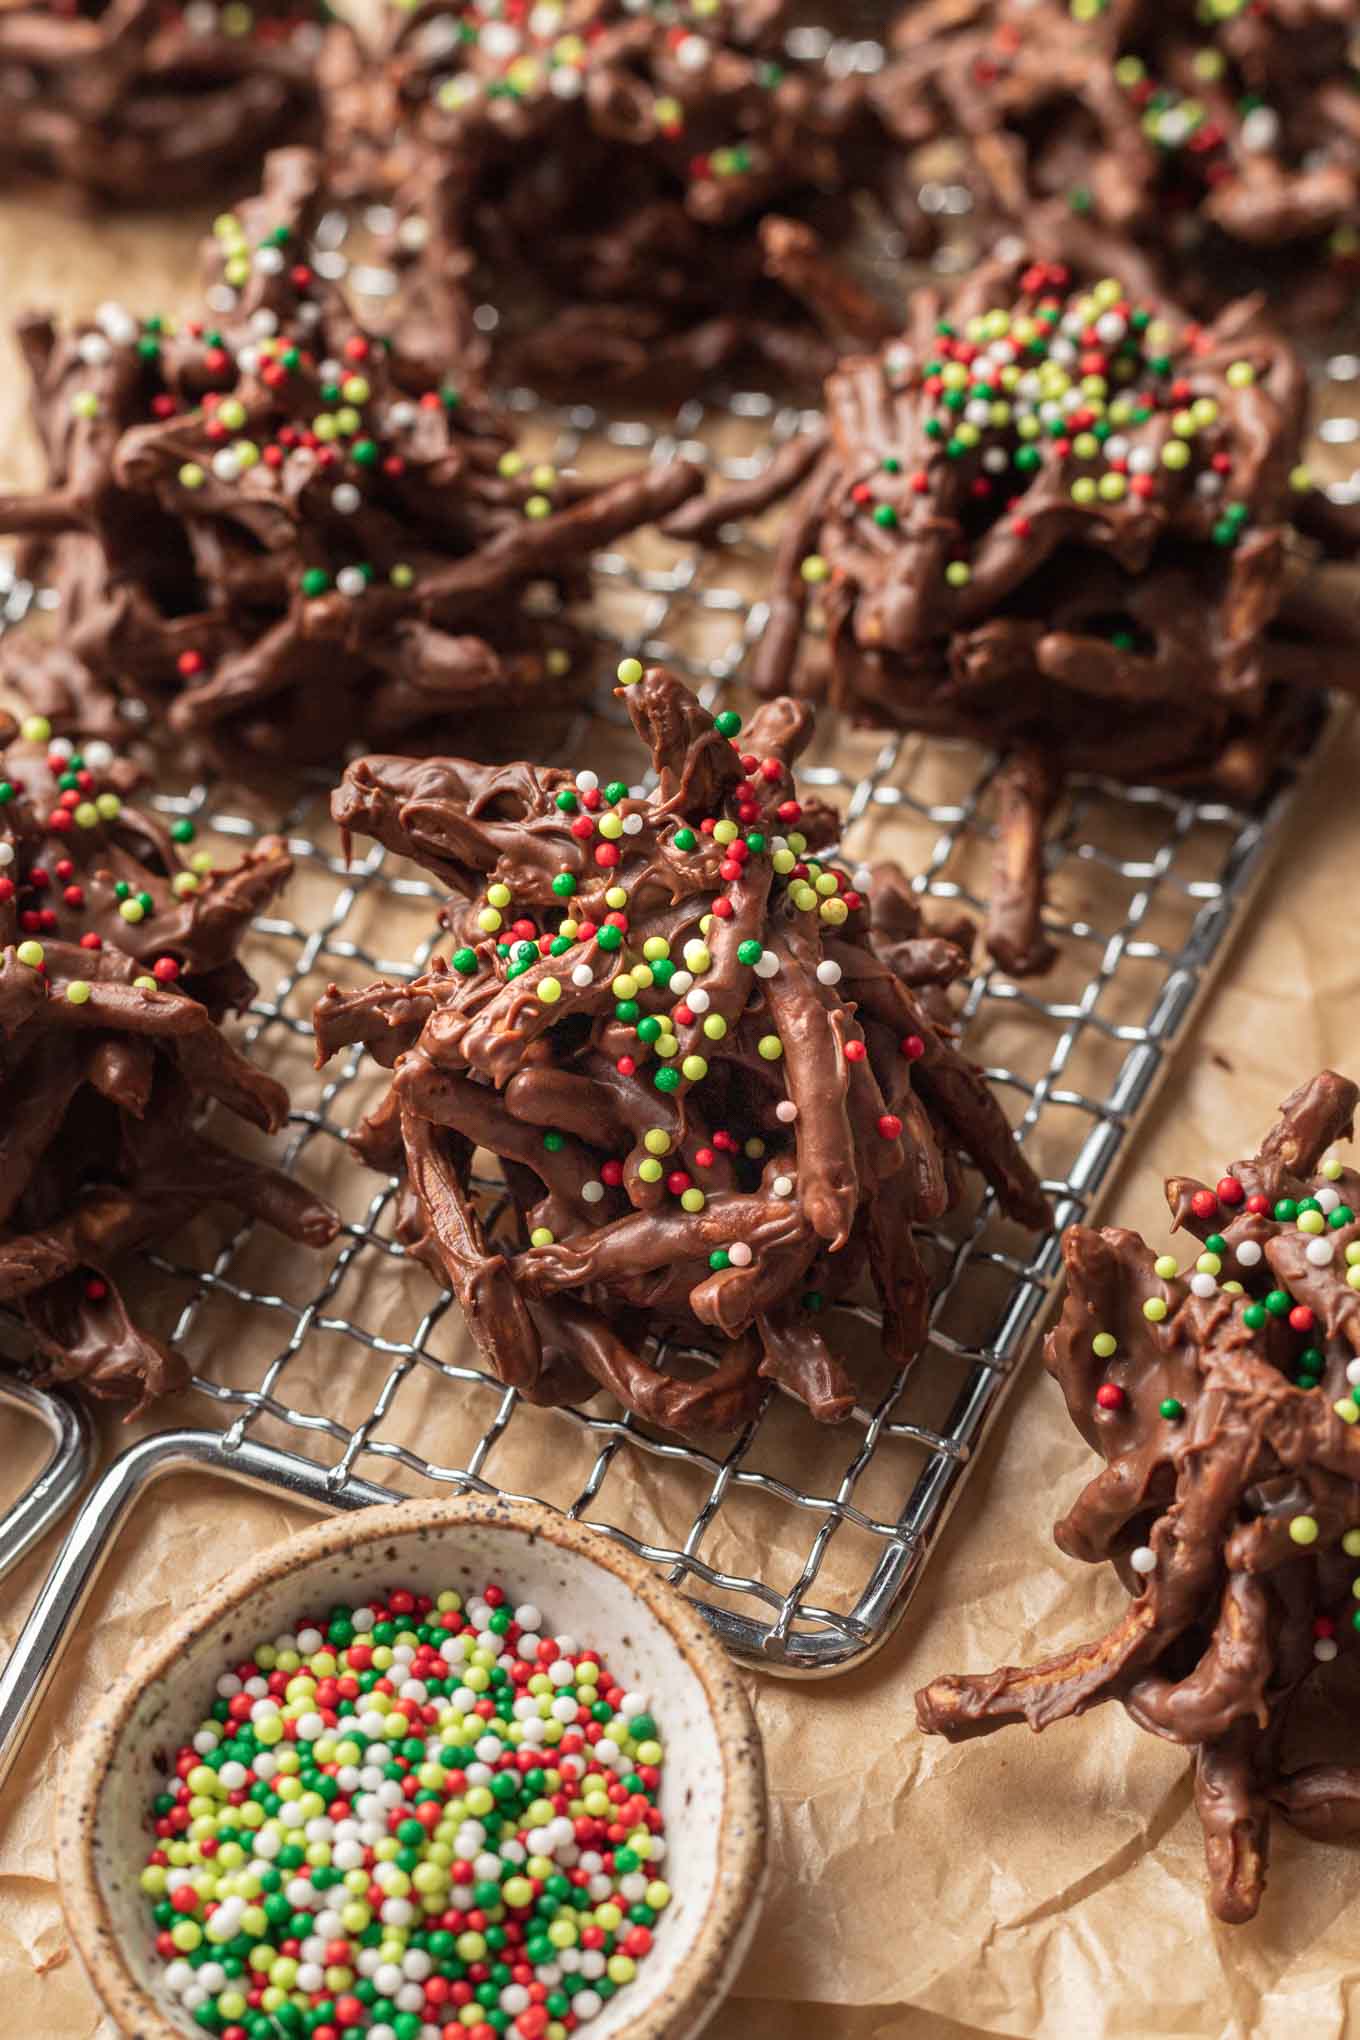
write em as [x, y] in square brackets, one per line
[424, 1818]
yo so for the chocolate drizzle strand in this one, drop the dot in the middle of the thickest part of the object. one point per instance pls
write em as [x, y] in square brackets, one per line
[1062, 520]
[596, 168]
[271, 536]
[1218, 140]
[117, 962]
[713, 1066]
[1224, 1397]
[142, 103]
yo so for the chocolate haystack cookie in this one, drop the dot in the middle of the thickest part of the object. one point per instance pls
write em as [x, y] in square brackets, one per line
[1220, 137]
[117, 961]
[1054, 520]
[272, 537]
[1225, 1401]
[596, 168]
[136, 102]
[709, 1067]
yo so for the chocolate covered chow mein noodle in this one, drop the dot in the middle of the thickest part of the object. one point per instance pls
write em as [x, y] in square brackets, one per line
[1221, 137]
[595, 167]
[138, 102]
[117, 961]
[270, 535]
[709, 1063]
[1224, 1397]
[1054, 520]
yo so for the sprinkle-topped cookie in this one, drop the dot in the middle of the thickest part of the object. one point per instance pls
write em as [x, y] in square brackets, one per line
[1218, 136]
[274, 535]
[596, 168]
[711, 1060]
[1223, 1391]
[145, 102]
[117, 960]
[427, 1815]
[1054, 516]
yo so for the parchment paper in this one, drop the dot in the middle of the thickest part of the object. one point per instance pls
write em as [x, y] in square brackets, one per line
[1013, 1886]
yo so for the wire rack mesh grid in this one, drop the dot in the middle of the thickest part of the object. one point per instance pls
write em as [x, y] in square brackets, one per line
[802, 1546]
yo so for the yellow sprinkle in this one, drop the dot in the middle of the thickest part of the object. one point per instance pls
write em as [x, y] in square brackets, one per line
[78, 992]
[35, 729]
[616, 897]
[540, 1237]
[1332, 1168]
[814, 569]
[694, 1069]
[1348, 1411]
[1166, 1266]
[1304, 1529]
[650, 1171]
[628, 672]
[1104, 1345]
[655, 948]
[488, 920]
[549, 990]
[1155, 1309]
[86, 815]
[498, 895]
[770, 1047]
[715, 1027]
[656, 1140]
[1350, 1544]
[692, 1200]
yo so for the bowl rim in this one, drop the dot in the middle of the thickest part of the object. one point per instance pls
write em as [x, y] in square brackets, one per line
[706, 1969]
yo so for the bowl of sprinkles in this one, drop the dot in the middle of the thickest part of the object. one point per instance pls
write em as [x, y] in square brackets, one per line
[426, 1772]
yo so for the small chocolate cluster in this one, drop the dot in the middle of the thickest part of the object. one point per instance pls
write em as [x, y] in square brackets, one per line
[1224, 1398]
[271, 536]
[141, 103]
[597, 167]
[1217, 137]
[1052, 518]
[711, 1065]
[117, 962]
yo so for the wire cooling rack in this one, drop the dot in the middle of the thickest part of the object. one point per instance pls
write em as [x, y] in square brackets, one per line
[344, 1379]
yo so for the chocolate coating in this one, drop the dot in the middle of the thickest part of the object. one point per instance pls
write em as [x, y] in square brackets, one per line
[117, 961]
[1223, 143]
[595, 167]
[717, 1177]
[1057, 520]
[1229, 1502]
[273, 537]
[136, 103]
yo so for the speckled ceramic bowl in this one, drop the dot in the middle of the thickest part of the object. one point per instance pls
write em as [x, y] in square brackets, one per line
[713, 1794]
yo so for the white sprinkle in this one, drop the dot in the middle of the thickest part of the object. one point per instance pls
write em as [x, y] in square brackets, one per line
[593, 1191]
[699, 1000]
[93, 349]
[225, 465]
[692, 53]
[681, 982]
[768, 965]
[782, 1186]
[1202, 1285]
[345, 498]
[565, 82]
[264, 321]
[1320, 1252]
[1249, 1253]
[632, 825]
[269, 261]
[1324, 1650]
[1260, 131]
[587, 781]
[1327, 1198]
[828, 972]
[1144, 1559]
[351, 581]
[786, 1112]
[582, 976]
[117, 322]
[739, 1254]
